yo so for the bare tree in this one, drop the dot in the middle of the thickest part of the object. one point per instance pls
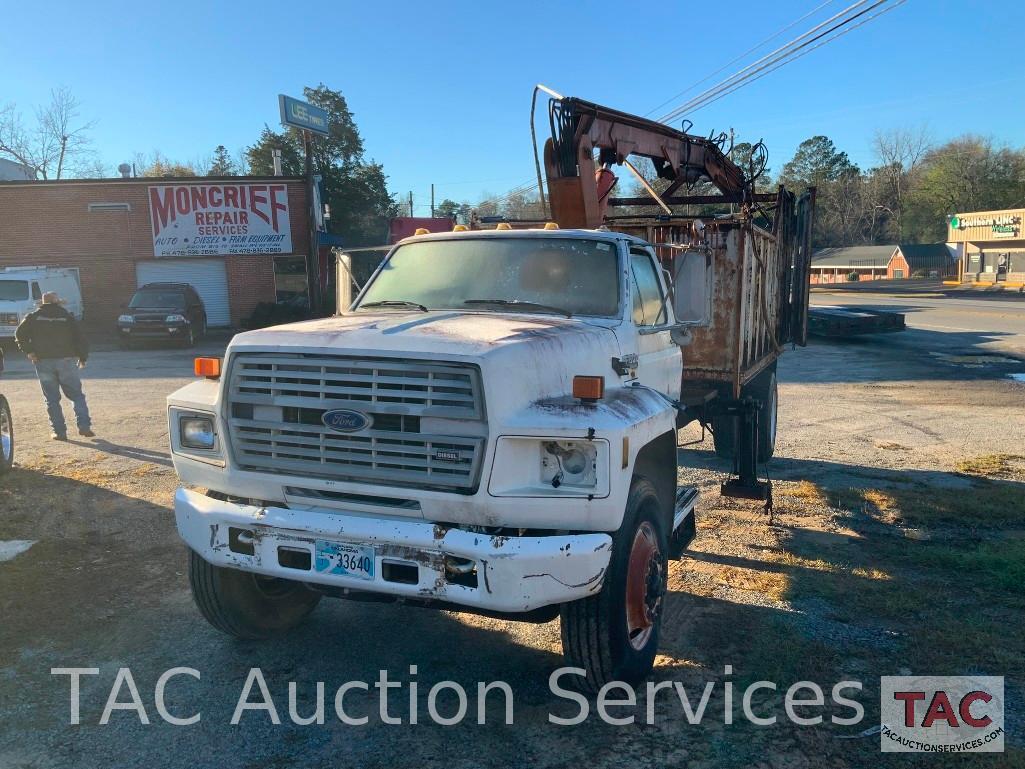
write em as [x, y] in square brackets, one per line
[900, 152]
[157, 165]
[57, 143]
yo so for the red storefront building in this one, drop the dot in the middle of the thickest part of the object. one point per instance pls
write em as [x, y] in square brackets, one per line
[240, 241]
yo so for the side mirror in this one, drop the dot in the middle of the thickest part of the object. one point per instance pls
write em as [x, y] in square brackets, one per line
[693, 286]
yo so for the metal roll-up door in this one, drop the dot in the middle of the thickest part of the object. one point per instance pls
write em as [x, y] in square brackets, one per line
[207, 276]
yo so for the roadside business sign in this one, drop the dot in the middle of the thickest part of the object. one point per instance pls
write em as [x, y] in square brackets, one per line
[303, 115]
[218, 219]
[986, 225]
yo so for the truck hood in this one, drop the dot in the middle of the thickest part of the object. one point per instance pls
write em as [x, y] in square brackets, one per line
[523, 357]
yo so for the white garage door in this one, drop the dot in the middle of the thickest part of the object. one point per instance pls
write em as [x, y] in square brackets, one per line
[207, 276]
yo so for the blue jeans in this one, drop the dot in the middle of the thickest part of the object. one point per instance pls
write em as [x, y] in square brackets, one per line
[55, 375]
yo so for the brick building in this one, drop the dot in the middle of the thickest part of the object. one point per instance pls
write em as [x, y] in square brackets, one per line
[896, 262]
[239, 240]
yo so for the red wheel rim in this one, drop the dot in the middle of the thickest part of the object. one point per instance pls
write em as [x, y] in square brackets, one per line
[644, 586]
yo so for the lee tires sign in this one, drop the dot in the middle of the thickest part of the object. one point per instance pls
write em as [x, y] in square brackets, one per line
[218, 219]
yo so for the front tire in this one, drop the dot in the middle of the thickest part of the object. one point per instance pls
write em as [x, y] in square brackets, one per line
[6, 436]
[246, 605]
[614, 635]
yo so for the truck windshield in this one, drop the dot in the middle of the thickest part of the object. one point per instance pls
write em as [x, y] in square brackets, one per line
[13, 290]
[155, 298]
[550, 276]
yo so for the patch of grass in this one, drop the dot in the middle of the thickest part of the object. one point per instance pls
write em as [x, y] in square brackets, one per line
[808, 491]
[768, 583]
[988, 503]
[871, 574]
[1000, 564]
[856, 596]
[1008, 466]
[953, 598]
[789, 558]
[780, 652]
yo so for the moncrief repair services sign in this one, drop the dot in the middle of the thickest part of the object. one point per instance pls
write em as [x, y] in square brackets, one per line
[216, 219]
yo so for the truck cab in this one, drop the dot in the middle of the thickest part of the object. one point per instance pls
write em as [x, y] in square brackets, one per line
[491, 427]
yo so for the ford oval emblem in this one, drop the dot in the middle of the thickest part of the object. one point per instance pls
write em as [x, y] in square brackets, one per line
[344, 420]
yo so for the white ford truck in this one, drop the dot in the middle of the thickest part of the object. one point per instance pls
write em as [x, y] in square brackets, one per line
[491, 426]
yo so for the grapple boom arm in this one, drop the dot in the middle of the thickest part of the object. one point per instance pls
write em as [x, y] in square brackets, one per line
[579, 127]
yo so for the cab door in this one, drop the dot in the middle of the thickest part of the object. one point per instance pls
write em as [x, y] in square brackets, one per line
[659, 358]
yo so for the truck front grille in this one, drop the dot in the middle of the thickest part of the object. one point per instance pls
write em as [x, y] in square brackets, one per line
[276, 403]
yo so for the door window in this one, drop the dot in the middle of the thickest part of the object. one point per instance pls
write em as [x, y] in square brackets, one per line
[36, 293]
[648, 301]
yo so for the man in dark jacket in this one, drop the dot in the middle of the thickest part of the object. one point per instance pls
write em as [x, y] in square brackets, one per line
[53, 341]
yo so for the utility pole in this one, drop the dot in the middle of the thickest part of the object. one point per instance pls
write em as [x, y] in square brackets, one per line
[313, 270]
[432, 200]
[411, 204]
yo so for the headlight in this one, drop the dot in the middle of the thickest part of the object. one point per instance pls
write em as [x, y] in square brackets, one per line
[197, 433]
[570, 463]
[528, 466]
[174, 319]
[126, 319]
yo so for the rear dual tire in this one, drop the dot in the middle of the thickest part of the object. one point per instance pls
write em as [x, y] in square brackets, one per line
[245, 605]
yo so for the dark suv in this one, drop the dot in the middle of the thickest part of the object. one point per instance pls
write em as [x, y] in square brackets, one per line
[163, 311]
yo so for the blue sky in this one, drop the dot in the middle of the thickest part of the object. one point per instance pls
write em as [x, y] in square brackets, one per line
[441, 91]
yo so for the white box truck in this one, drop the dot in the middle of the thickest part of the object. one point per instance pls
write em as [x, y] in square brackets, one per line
[21, 288]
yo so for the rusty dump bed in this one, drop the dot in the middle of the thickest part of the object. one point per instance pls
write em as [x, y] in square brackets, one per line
[758, 285]
[756, 277]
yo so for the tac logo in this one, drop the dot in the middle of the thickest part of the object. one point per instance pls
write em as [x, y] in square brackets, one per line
[344, 420]
[942, 714]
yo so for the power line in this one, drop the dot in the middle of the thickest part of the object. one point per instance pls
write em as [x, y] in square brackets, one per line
[705, 100]
[781, 53]
[750, 50]
[781, 50]
[785, 54]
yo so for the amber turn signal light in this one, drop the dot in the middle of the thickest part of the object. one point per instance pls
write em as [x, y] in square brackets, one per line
[589, 388]
[208, 367]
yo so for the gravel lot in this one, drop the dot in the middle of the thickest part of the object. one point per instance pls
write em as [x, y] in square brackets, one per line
[878, 460]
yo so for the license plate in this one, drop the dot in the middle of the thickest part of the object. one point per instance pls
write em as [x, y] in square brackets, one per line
[341, 558]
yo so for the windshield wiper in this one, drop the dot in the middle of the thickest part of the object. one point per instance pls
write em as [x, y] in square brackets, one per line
[521, 303]
[395, 303]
